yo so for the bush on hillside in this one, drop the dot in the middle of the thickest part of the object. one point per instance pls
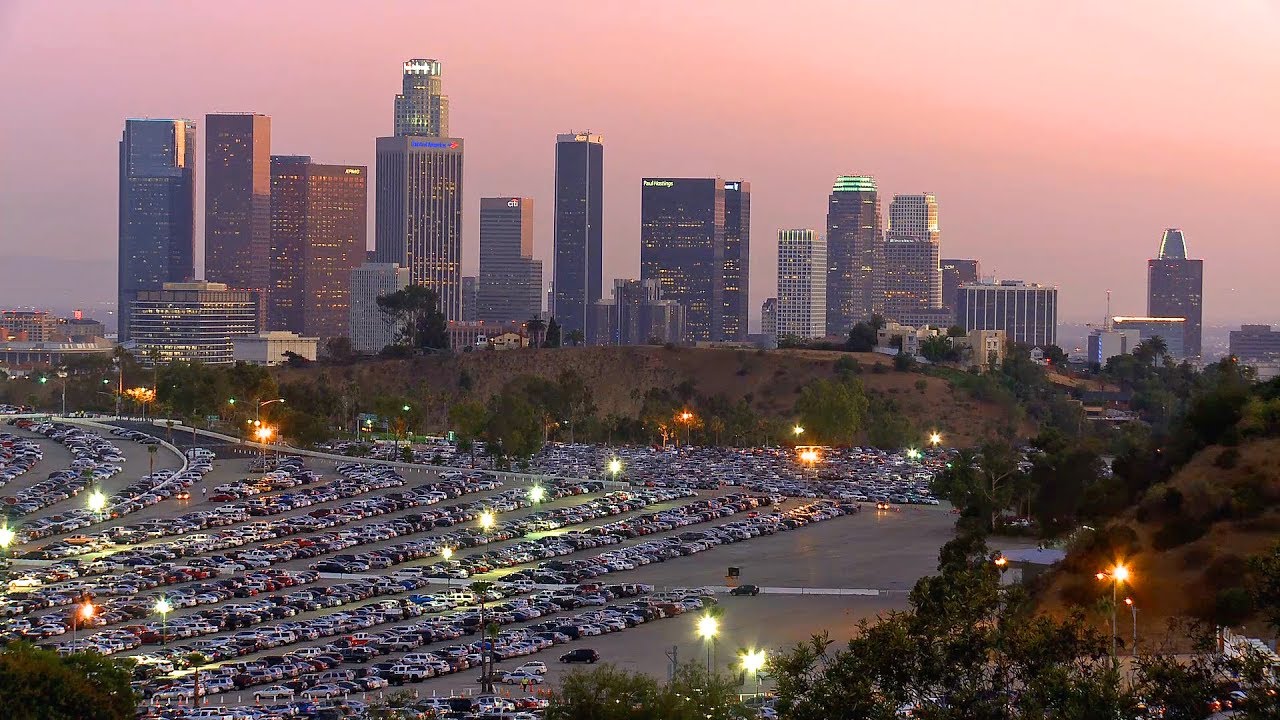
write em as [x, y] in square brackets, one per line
[1178, 531]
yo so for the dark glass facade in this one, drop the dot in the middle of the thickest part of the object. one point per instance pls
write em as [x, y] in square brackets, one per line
[737, 261]
[954, 274]
[510, 285]
[855, 253]
[578, 231]
[682, 238]
[1175, 288]
[157, 209]
[418, 208]
[237, 200]
[318, 236]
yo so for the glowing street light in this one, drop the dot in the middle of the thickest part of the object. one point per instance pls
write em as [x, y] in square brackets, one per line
[615, 467]
[913, 454]
[486, 520]
[537, 494]
[1133, 608]
[708, 628]
[797, 431]
[1118, 575]
[935, 438]
[447, 553]
[84, 613]
[164, 608]
[7, 536]
[97, 502]
[263, 433]
[1001, 562]
[752, 662]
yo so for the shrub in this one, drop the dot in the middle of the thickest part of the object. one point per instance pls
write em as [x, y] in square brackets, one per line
[922, 385]
[849, 365]
[879, 369]
[1227, 459]
[1226, 571]
[1232, 606]
[1179, 531]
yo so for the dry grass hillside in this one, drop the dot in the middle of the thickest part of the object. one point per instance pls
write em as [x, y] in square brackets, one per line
[621, 376]
[1232, 496]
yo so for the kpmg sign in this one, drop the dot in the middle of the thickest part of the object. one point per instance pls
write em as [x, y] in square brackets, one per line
[732, 186]
[659, 183]
[451, 145]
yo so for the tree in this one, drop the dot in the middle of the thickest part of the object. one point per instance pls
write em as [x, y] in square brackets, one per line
[1055, 355]
[38, 684]
[535, 326]
[862, 338]
[552, 339]
[294, 360]
[1264, 586]
[833, 410]
[937, 348]
[339, 350]
[575, 337]
[956, 331]
[416, 310]
[609, 693]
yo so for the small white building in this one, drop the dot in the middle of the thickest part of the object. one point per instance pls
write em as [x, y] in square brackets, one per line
[268, 348]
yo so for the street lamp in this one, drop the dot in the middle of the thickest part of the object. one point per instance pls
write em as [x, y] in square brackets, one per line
[1133, 609]
[7, 536]
[486, 520]
[708, 628]
[97, 502]
[164, 608]
[797, 431]
[1118, 575]
[752, 662]
[935, 438]
[44, 379]
[448, 574]
[615, 467]
[537, 494]
[913, 454]
[83, 613]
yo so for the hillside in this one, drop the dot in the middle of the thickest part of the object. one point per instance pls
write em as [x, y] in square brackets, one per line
[768, 381]
[1192, 536]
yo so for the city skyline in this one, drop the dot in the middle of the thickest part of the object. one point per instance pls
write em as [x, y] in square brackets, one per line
[1036, 135]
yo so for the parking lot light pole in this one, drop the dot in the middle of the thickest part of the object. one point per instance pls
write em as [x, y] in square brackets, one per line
[164, 608]
[1118, 575]
[447, 553]
[752, 662]
[1133, 609]
[708, 628]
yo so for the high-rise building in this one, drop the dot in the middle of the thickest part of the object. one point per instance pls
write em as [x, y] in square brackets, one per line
[1175, 288]
[369, 328]
[418, 213]
[30, 325]
[192, 321]
[157, 208]
[422, 109]
[639, 315]
[735, 300]
[578, 231]
[510, 287]
[1106, 343]
[318, 232]
[470, 298]
[855, 253]
[1255, 342]
[237, 201]
[954, 274]
[682, 229]
[912, 275]
[802, 284]
[1027, 313]
[1171, 330]
[769, 316]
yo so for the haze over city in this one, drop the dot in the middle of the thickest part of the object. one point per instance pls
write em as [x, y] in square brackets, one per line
[1060, 140]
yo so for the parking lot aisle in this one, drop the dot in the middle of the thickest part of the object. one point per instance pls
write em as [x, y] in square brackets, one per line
[56, 457]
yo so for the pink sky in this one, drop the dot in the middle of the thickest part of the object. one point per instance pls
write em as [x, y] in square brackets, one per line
[1060, 138]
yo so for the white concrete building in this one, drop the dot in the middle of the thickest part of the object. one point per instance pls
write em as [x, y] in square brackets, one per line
[268, 348]
[371, 330]
[802, 284]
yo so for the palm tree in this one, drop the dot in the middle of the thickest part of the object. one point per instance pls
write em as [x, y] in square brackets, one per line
[480, 587]
[575, 337]
[535, 325]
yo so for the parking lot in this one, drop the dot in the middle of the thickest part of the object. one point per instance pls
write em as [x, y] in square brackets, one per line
[323, 581]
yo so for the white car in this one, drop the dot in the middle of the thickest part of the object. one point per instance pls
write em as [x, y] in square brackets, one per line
[536, 667]
[519, 677]
[323, 692]
[273, 693]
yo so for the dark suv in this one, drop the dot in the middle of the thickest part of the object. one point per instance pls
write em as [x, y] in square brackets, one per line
[586, 655]
[745, 590]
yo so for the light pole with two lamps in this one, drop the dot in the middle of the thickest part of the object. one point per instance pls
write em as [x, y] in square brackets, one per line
[752, 662]
[164, 608]
[1118, 575]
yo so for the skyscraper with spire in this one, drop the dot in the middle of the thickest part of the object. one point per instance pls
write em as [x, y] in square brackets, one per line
[422, 108]
[1175, 288]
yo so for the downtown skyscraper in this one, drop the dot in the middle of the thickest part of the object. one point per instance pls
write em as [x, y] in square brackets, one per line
[735, 303]
[318, 234]
[579, 229]
[802, 284]
[1175, 288]
[422, 108]
[157, 209]
[855, 253]
[418, 213]
[912, 270]
[237, 201]
[510, 282]
[682, 237]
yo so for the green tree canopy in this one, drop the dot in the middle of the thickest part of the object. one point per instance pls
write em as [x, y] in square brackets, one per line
[37, 684]
[833, 410]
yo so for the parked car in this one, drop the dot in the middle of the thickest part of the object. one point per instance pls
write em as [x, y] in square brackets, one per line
[586, 655]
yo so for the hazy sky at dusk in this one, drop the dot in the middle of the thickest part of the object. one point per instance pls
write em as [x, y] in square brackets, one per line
[1060, 138]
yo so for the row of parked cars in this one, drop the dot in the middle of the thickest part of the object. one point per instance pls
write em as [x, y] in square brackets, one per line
[94, 459]
[17, 456]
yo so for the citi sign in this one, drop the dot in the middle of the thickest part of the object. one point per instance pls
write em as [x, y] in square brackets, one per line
[453, 145]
